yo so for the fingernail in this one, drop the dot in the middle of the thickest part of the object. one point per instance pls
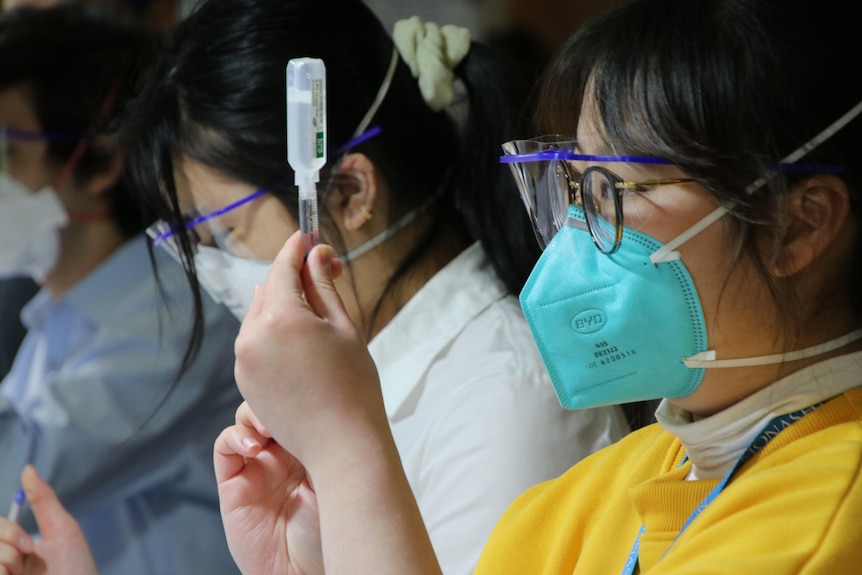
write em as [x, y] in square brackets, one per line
[257, 288]
[25, 544]
[326, 259]
[250, 443]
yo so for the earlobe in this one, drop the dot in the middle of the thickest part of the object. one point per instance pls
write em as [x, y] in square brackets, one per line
[356, 192]
[818, 208]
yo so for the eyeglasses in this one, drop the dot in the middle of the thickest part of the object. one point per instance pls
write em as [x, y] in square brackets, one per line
[204, 228]
[161, 231]
[549, 183]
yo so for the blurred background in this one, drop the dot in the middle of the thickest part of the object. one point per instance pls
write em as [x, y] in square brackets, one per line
[532, 30]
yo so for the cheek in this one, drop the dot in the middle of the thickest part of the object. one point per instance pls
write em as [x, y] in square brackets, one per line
[736, 302]
[665, 213]
[26, 164]
[278, 226]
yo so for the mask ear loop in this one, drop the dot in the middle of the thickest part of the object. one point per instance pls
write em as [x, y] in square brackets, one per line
[381, 94]
[706, 359]
[668, 252]
[360, 135]
[84, 143]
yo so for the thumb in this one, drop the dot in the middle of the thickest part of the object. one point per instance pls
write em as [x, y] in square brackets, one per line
[319, 286]
[52, 518]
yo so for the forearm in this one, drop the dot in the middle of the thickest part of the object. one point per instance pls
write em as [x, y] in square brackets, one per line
[370, 522]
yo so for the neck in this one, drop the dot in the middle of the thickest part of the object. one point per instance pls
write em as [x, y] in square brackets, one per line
[367, 286]
[722, 388]
[85, 246]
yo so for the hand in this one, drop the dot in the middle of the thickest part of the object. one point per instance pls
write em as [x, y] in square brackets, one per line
[62, 549]
[306, 372]
[302, 365]
[268, 507]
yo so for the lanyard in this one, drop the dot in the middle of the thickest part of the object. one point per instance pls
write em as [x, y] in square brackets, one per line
[766, 435]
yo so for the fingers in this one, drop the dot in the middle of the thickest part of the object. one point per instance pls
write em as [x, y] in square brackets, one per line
[244, 440]
[317, 282]
[11, 560]
[245, 416]
[231, 449]
[283, 277]
[51, 516]
[14, 544]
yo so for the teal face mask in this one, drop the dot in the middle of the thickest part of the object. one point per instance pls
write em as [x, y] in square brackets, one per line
[613, 328]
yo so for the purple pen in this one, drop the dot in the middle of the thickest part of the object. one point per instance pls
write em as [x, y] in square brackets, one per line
[15, 509]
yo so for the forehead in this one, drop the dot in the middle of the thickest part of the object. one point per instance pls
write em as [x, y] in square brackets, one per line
[202, 188]
[592, 138]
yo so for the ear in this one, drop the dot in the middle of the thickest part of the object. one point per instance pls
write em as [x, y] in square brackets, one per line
[99, 183]
[355, 193]
[817, 212]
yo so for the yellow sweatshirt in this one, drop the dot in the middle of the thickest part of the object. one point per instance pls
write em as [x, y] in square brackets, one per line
[795, 507]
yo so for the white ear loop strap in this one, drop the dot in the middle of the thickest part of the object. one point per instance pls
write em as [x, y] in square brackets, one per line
[668, 252]
[706, 358]
[387, 233]
[811, 144]
[381, 93]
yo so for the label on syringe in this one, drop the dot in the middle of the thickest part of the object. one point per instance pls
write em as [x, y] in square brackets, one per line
[317, 118]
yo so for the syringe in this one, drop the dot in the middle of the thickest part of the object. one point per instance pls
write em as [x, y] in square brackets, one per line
[306, 138]
[15, 509]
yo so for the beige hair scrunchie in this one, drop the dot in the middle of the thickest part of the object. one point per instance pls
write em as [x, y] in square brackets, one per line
[432, 52]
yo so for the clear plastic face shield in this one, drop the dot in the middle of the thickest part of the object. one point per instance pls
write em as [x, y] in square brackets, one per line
[552, 175]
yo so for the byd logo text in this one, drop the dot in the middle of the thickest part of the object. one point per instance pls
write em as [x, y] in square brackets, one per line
[589, 321]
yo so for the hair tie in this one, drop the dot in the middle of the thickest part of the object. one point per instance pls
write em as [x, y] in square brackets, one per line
[432, 52]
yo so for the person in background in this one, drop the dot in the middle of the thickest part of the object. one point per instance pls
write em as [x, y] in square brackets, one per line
[104, 397]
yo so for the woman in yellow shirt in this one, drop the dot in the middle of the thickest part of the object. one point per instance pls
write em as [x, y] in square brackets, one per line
[702, 245]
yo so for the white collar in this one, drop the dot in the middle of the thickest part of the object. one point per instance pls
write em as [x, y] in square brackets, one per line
[714, 444]
[405, 348]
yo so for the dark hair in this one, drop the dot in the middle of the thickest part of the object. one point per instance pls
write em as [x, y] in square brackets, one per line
[218, 96]
[724, 89]
[71, 58]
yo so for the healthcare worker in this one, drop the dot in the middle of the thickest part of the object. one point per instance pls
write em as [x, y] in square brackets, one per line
[713, 195]
[102, 398]
[424, 217]
[707, 222]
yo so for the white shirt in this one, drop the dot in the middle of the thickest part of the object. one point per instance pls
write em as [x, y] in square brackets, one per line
[714, 444]
[472, 409]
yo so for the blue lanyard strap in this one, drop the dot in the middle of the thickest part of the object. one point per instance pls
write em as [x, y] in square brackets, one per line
[767, 434]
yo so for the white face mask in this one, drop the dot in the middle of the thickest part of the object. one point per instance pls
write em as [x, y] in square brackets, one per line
[229, 279]
[30, 225]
